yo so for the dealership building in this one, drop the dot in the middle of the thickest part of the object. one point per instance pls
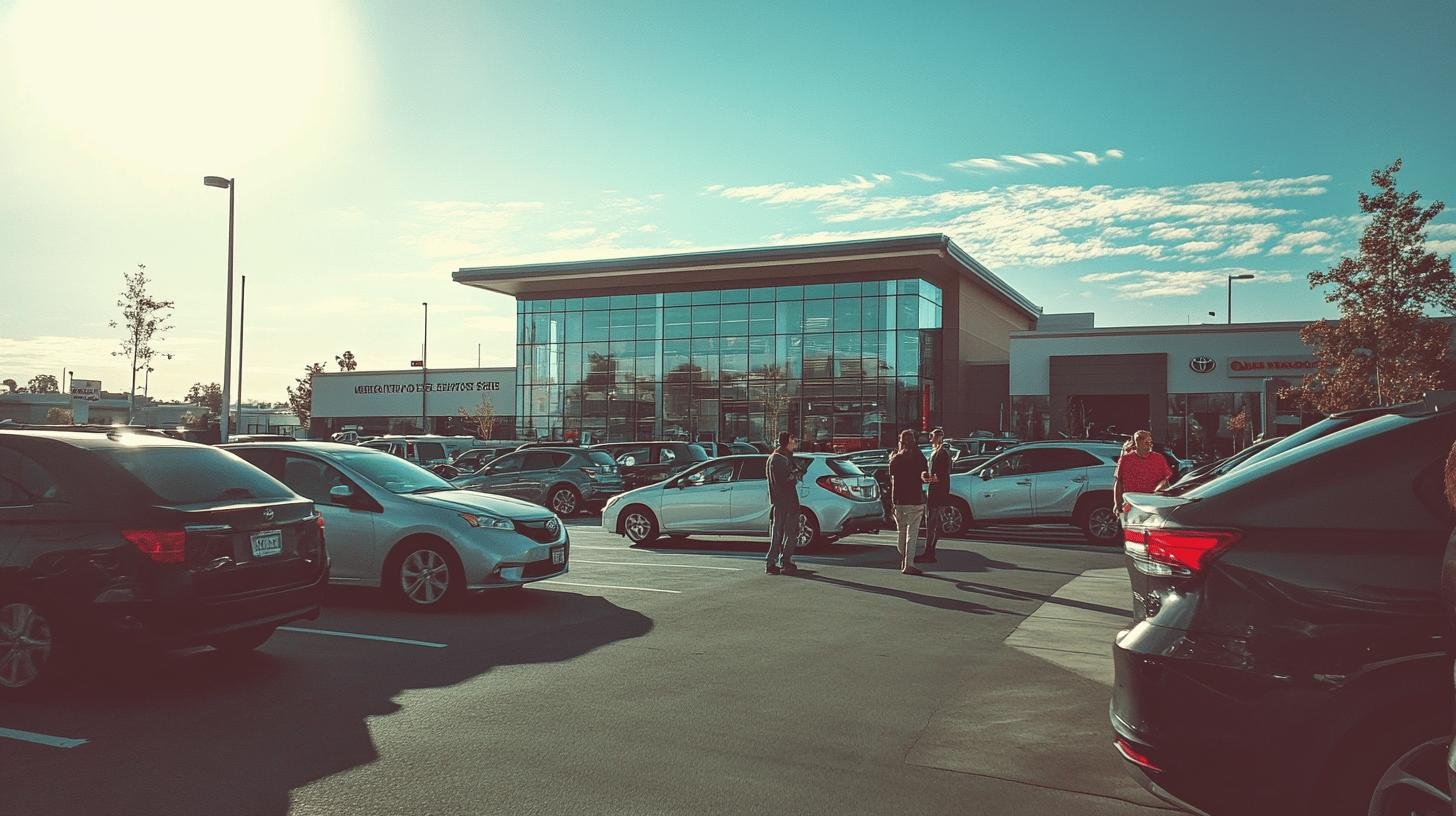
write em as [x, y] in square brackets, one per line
[413, 400]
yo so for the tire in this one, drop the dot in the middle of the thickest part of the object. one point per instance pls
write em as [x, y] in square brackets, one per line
[564, 501]
[1101, 526]
[955, 518]
[425, 576]
[1366, 778]
[809, 535]
[639, 525]
[28, 649]
[243, 640]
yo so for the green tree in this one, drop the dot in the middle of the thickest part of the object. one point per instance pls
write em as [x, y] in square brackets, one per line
[44, 384]
[209, 395]
[60, 416]
[300, 395]
[1386, 347]
[346, 361]
[144, 320]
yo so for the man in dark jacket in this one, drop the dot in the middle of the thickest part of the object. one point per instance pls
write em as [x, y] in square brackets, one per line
[939, 494]
[783, 498]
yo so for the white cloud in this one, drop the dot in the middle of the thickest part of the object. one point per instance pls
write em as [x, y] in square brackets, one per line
[789, 193]
[1114, 153]
[1012, 161]
[1441, 230]
[979, 164]
[916, 174]
[1087, 156]
[1317, 249]
[1104, 277]
[1159, 283]
[1444, 247]
[1195, 247]
[571, 233]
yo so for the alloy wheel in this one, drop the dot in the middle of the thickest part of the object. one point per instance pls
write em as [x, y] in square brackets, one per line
[563, 502]
[1415, 784]
[951, 519]
[425, 577]
[638, 526]
[25, 644]
[1104, 524]
[805, 535]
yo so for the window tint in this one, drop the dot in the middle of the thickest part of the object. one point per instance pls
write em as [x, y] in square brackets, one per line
[597, 457]
[510, 463]
[196, 474]
[666, 456]
[697, 454]
[391, 473]
[634, 456]
[1065, 459]
[429, 451]
[310, 478]
[1010, 464]
[755, 469]
[713, 474]
[23, 481]
[544, 460]
[844, 467]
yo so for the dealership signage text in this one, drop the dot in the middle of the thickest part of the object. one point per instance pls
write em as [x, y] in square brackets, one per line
[415, 388]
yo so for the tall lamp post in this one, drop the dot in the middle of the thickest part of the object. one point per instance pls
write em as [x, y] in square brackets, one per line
[1231, 279]
[227, 348]
[242, 313]
[425, 374]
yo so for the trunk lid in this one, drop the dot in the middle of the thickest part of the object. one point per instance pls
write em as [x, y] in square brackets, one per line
[245, 547]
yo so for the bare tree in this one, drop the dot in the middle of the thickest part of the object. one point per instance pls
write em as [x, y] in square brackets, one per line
[483, 415]
[144, 319]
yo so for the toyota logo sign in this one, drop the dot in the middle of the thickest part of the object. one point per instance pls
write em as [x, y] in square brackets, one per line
[553, 527]
[1202, 365]
[267, 514]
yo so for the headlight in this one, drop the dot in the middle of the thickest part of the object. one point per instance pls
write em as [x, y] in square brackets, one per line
[488, 522]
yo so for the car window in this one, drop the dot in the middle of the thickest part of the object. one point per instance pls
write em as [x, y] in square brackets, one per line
[666, 456]
[1052, 459]
[720, 473]
[23, 481]
[697, 454]
[429, 451]
[1009, 464]
[311, 478]
[597, 457]
[633, 456]
[510, 463]
[842, 466]
[195, 474]
[390, 472]
[753, 469]
[544, 460]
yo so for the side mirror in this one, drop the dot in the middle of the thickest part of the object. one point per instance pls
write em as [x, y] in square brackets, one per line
[986, 474]
[341, 494]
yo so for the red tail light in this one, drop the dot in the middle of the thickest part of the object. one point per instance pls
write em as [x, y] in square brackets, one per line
[1186, 551]
[162, 546]
[1132, 755]
[318, 518]
[834, 484]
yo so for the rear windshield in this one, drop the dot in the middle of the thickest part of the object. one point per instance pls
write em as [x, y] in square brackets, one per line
[430, 450]
[598, 457]
[697, 454]
[844, 467]
[196, 475]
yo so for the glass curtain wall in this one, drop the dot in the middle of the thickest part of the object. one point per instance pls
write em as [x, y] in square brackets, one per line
[845, 366]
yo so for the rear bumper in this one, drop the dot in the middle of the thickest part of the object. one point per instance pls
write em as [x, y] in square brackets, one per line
[179, 623]
[862, 524]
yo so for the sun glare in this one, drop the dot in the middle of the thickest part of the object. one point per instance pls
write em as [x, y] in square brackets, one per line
[175, 83]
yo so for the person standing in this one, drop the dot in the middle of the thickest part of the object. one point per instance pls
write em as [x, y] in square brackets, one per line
[783, 498]
[908, 474]
[939, 493]
[1140, 469]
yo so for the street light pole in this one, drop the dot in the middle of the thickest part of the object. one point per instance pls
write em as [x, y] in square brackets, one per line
[1231, 279]
[227, 347]
[242, 312]
[425, 374]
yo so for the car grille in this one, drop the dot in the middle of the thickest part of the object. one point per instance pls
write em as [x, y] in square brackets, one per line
[542, 568]
[545, 531]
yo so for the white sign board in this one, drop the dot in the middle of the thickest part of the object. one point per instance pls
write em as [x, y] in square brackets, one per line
[1292, 365]
[440, 393]
[85, 389]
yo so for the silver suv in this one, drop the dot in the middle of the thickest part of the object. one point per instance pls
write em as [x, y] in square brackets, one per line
[566, 480]
[398, 526]
[1067, 481]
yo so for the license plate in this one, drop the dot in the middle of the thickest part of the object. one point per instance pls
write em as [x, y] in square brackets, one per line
[558, 555]
[269, 542]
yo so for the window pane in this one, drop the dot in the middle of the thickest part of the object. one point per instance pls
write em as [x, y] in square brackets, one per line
[705, 321]
[818, 315]
[705, 298]
[676, 357]
[790, 293]
[705, 357]
[818, 349]
[573, 327]
[846, 313]
[594, 326]
[677, 299]
[761, 294]
[907, 286]
[818, 290]
[761, 318]
[652, 300]
[735, 296]
[596, 303]
[907, 312]
[869, 314]
[677, 321]
[790, 317]
[735, 320]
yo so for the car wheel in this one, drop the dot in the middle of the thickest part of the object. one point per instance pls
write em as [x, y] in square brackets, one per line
[245, 640]
[809, 536]
[639, 525]
[27, 648]
[955, 518]
[1415, 783]
[564, 501]
[1101, 526]
[427, 576]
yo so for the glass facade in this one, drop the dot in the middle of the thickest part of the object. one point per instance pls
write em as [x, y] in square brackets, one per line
[842, 365]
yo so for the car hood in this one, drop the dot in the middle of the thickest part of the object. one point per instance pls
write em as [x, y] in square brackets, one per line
[643, 493]
[470, 501]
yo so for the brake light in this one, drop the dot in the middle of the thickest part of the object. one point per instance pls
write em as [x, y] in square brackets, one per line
[834, 484]
[1132, 755]
[1177, 551]
[162, 546]
[318, 519]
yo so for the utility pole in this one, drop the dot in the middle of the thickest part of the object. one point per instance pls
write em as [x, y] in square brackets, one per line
[242, 310]
[425, 374]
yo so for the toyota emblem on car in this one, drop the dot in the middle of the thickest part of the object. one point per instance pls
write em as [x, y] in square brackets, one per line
[267, 514]
[553, 527]
[1202, 364]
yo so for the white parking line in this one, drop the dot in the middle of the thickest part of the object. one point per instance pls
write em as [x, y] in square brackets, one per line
[41, 739]
[818, 559]
[647, 564]
[355, 635]
[611, 586]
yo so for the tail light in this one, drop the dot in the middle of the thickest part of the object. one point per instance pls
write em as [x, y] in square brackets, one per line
[1134, 756]
[1175, 551]
[162, 546]
[835, 484]
[318, 519]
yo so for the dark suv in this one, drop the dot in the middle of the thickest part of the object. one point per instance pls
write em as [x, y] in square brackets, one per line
[645, 463]
[126, 538]
[1289, 652]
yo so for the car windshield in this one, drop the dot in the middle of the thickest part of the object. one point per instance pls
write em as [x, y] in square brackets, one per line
[196, 474]
[697, 454]
[1324, 427]
[842, 466]
[392, 473]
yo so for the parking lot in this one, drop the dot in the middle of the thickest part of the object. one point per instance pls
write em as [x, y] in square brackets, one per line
[644, 681]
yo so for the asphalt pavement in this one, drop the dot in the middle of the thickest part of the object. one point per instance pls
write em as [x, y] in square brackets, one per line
[674, 679]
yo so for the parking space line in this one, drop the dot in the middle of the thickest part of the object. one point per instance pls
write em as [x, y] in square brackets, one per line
[820, 559]
[40, 739]
[647, 564]
[612, 586]
[357, 636]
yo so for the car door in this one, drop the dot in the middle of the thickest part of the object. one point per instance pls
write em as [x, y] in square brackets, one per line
[348, 524]
[1003, 488]
[700, 500]
[748, 500]
[499, 477]
[539, 470]
[1059, 481]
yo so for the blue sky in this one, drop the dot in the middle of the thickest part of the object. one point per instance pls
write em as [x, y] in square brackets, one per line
[1117, 157]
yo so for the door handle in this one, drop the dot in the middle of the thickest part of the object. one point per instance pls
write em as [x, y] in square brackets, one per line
[724, 489]
[1079, 478]
[1024, 482]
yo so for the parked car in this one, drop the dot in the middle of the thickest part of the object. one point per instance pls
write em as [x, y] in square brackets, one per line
[1207, 473]
[399, 527]
[729, 496]
[1289, 651]
[469, 461]
[643, 463]
[260, 437]
[742, 448]
[420, 450]
[566, 480]
[136, 540]
[1068, 481]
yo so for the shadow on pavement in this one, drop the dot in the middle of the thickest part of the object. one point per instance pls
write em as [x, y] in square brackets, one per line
[208, 733]
[937, 602]
[1023, 595]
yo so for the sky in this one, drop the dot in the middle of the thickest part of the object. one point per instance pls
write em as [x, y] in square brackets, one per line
[1118, 157]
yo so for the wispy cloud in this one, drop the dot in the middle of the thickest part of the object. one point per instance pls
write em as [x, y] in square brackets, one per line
[1159, 283]
[789, 193]
[1197, 247]
[916, 174]
[1013, 161]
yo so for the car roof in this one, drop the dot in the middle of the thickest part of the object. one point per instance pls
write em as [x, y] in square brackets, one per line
[302, 444]
[99, 439]
[1066, 443]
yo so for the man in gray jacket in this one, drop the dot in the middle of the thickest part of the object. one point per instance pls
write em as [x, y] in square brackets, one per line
[783, 496]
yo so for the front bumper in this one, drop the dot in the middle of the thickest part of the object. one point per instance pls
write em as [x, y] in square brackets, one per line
[535, 565]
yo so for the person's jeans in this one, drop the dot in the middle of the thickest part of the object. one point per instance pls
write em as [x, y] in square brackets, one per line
[783, 534]
[932, 528]
[907, 526]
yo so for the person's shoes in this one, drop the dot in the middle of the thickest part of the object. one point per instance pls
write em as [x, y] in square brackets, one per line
[911, 571]
[789, 567]
[773, 570]
[928, 558]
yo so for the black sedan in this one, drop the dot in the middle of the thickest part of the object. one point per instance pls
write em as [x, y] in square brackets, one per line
[1289, 649]
[121, 538]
